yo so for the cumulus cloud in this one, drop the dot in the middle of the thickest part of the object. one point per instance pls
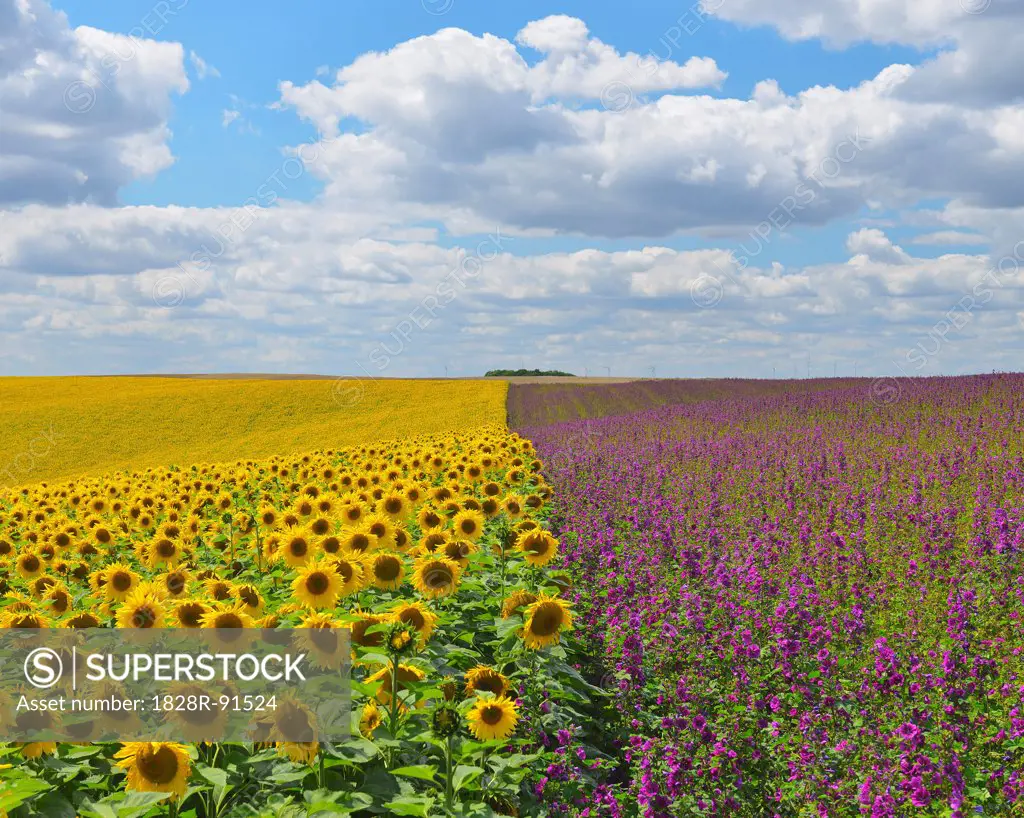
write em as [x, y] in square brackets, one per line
[981, 42]
[85, 110]
[497, 142]
[679, 162]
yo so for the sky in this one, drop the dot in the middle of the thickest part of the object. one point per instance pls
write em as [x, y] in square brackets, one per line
[757, 188]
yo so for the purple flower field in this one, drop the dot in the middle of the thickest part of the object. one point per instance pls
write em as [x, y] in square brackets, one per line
[812, 604]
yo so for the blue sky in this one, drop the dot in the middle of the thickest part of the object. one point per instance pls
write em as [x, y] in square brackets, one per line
[434, 141]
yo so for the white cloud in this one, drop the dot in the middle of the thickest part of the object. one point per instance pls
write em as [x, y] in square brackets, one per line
[680, 162]
[871, 244]
[84, 111]
[981, 42]
[481, 134]
[203, 68]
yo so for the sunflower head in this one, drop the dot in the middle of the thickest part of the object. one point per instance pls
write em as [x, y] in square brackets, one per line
[318, 585]
[546, 619]
[444, 720]
[155, 766]
[370, 719]
[487, 680]
[387, 571]
[538, 546]
[436, 577]
[492, 718]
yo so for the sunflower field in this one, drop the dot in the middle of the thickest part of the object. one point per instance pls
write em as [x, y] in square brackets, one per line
[469, 694]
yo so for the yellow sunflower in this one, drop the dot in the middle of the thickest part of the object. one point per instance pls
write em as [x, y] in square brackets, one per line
[406, 674]
[121, 580]
[155, 766]
[190, 614]
[516, 602]
[419, 616]
[488, 680]
[546, 618]
[539, 547]
[318, 585]
[141, 609]
[370, 719]
[492, 719]
[353, 573]
[387, 570]
[296, 547]
[468, 525]
[29, 564]
[436, 576]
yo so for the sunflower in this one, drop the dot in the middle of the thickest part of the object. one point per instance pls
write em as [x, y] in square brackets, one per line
[395, 505]
[249, 599]
[155, 766]
[370, 719]
[82, 620]
[513, 507]
[403, 542]
[301, 752]
[538, 546]
[320, 637]
[196, 724]
[519, 600]
[296, 547]
[468, 525]
[406, 674]
[418, 616]
[219, 590]
[29, 564]
[546, 618]
[24, 619]
[436, 576]
[121, 580]
[492, 719]
[458, 551]
[267, 516]
[330, 544]
[190, 614]
[353, 574]
[318, 585]
[382, 527]
[429, 517]
[432, 541]
[488, 680]
[357, 540]
[359, 626]
[226, 617]
[164, 552]
[37, 749]
[321, 525]
[141, 609]
[175, 583]
[387, 570]
[41, 584]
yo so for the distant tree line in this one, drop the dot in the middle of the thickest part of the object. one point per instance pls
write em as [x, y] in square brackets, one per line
[527, 373]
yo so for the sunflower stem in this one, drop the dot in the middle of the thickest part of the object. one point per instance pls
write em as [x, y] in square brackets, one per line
[449, 788]
[393, 724]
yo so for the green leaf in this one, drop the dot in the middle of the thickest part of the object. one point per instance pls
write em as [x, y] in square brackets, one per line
[424, 772]
[19, 790]
[219, 779]
[55, 805]
[464, 774]
[417, 805]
